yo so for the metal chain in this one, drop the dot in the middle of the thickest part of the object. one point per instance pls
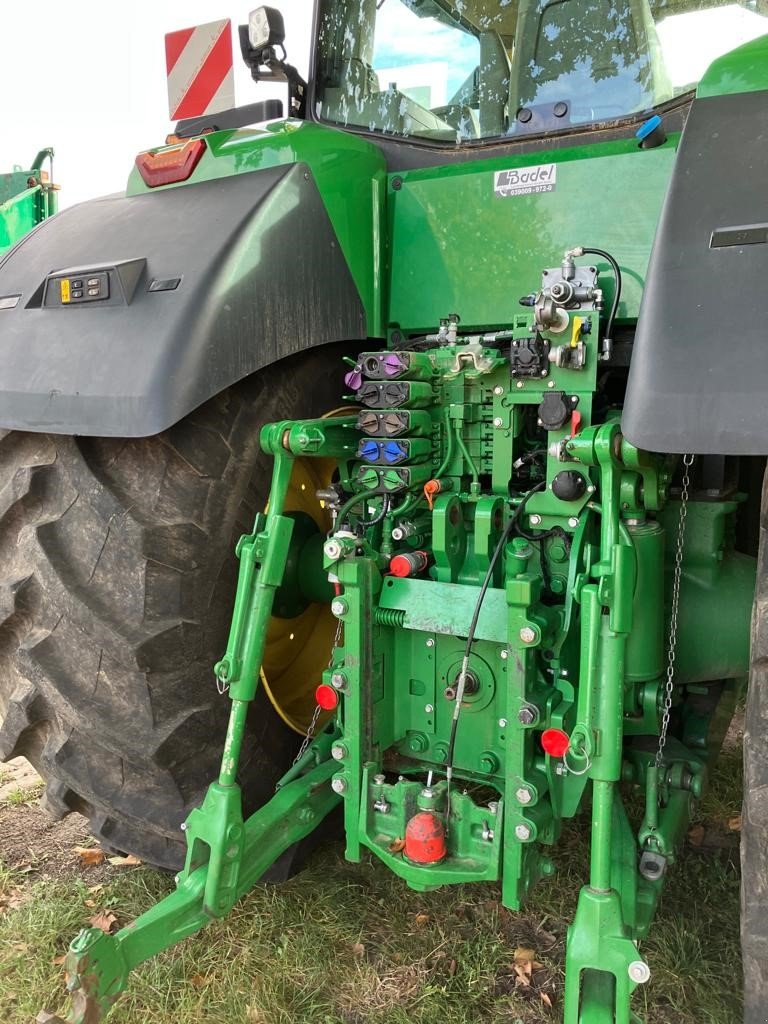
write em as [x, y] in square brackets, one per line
[674, 607]
[318, 710]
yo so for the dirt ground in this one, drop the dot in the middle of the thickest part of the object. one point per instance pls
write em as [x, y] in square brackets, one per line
[31, 842]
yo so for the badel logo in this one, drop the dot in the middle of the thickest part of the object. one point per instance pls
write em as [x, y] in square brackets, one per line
[525, 181]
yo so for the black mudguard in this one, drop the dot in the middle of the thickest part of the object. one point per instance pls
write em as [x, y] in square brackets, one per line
[698, 378]
[201, 285]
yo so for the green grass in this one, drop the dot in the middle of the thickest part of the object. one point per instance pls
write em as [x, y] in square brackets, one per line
[349, 944]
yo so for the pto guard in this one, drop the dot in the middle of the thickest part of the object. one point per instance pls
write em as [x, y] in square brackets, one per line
[218, 288]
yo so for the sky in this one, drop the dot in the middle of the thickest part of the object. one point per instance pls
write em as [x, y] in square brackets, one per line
[89, 80]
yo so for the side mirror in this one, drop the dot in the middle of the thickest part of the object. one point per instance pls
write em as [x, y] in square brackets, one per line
[265, 28]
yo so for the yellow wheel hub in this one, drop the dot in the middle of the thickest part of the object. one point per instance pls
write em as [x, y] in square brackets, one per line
[299, 649]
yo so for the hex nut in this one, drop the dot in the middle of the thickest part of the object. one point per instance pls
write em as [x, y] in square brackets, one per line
[527, 635]
[338, 752]
[524, 795]
[526, 716]
[332, 549]
[338, 680]
[339, 608]
[338, 785]
[522, 832]
[535, 519]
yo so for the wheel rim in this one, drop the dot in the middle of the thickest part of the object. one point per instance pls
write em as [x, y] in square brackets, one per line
[298, 649]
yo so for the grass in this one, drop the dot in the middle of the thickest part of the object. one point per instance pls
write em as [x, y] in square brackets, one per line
[349, 944]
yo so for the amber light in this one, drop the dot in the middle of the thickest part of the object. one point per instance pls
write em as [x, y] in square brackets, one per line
[170, 165]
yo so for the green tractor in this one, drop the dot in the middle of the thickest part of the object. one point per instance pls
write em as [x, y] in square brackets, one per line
[455, 357]
[27, 197]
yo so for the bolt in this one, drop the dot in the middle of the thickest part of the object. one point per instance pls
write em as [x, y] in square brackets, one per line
[524, 796]
[429, 708]
[526, 716]
[379, 779]
[591, 489]
[504, 654]
[338, 680]
[519, 384]
[639, 971]
[338, 752]
[183, 826]
[338, 785]
[498, 390]
[381, 806]
[487, 833]
[527, 635]
[339, 608]
[573, 522]
[535, 519]
[502, 723]
[550, 384]
[498, 422]
[177, 878]
[522, 832]
[332, 549]
[430, 643]
[493, 807]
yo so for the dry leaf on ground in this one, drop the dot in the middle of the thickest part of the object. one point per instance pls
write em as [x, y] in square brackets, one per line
[105, 920]
[90, 856]
[124, 862]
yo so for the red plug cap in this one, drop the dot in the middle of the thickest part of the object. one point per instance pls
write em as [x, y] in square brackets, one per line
[326, 697]
[409, 565]
[555, 742]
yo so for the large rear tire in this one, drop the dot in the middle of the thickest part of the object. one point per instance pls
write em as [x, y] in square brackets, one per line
[117, 573]
[754, 833]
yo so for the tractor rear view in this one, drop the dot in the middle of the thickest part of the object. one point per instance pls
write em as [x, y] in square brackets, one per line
[464, 359]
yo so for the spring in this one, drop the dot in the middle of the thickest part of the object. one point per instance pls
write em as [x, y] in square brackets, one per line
[389, 617]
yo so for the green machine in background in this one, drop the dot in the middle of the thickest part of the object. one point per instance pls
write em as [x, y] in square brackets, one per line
[507, 560]
[27, 197]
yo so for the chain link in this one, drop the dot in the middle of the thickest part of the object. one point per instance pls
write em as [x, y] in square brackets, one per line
[674, 607]
[318, 710]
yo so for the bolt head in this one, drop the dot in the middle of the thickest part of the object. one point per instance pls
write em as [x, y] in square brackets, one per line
[573, 522]
[498, 390]
[519, 384]
[379, 779]
[535, 519]
[526, 716]
[332, 549]
[338, 752]
[493, 807]
[527, 635]
[502, 723]
[591, 489]
[550, 384]
[639, 971]
[430, 642]
[524, 796]
[338, 785]
[498, 422]
[503, 654]
[339, 607]
[429, 708]
[522, 832]
[183, 826]
[338, 680]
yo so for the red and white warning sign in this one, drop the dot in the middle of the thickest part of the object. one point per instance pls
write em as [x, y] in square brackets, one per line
[201, 78]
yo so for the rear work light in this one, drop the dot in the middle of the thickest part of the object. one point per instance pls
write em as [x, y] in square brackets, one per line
[170, 165]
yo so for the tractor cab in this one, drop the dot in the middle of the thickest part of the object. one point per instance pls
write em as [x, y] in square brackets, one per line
[471, 70]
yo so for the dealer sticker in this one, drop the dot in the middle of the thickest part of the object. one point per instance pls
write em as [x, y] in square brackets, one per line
[525, 181]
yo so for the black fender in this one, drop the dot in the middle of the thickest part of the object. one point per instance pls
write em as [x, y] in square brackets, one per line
[197, 286]
[698, 378]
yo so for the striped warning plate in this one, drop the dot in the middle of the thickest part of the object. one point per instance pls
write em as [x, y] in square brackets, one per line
[201, 78]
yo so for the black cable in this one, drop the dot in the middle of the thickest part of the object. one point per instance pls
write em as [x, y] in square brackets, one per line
[514, 518]
[608, 337]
